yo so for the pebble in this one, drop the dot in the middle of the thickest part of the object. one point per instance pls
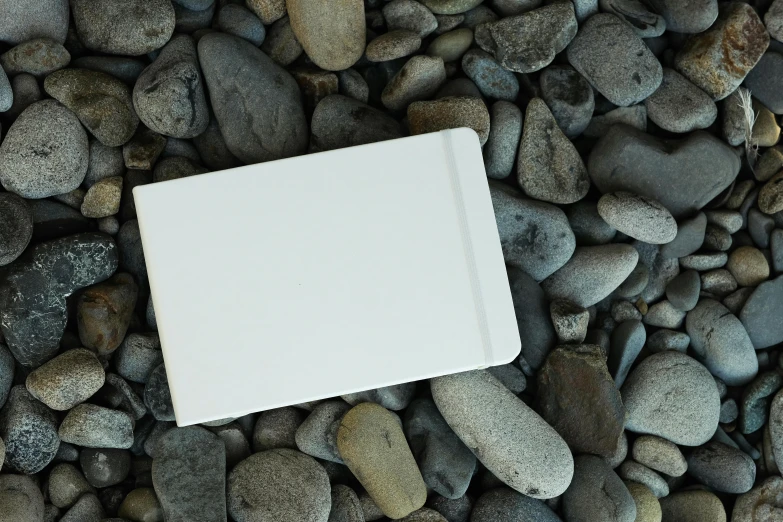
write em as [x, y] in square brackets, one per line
[141, 504]
[419, 79]
[492, 80]
[105, 467]
[639, 16]
[579, 399]
[570, 321]
[683, 291]
[352, 85]
[506, 504]
[549, 168]
[763, 75]
[410, 15]
[143, 151]
[668, 340]
[535, 236]
[755, 402]
[315, 85]
[597, 493]
[766, 130]
[729, 220]
[664, 315]
[277, 429]
[157, 395]
[252, 130]
[570, 98]
[189, 473]
[104, 311]
[169, 95]
[103, 198]
[29, 431]
[190, 21]
[105, 162]
[16, 227]
[588, 226]
[20, 498]
[239, 21]
[627, 341]
[446, 464]
[748, 266]
[679, 106]
[672, 396]
[615, 60]
[331, 34]
[450, 6]
[718, 283]
[773, 19]
[532, 312]
[721, 342]
[505, 130]
[529, 41]
[510, 376]
[281, 44]
[268, 11]
[66, 485]
[449, 113]
[770, 197]
[648, 509]
[39, 57]
[125, 27]
[97, 427]
[638, 216]
[138, 355]
[523, 451]
[87, 509]
[693, 505]
[22, 21]
[44, 125]
[591, 274]
[25, 91]
[101, 102]
[396, 397]
[392, 45]
[125, 68]
[733, 119]
[718, 59]
[35, 316]
[345, 505]
[176, 167]
[317, 435]
[635, 116]
[722, 468]
[760, 311]
[760, 227]
[633, 471]
[684, 178]
[661, 270]
[451, 46]
[702, 262]
[7, 364]
[660, 455]
[728, 411]
[67, 380]
[689, 238]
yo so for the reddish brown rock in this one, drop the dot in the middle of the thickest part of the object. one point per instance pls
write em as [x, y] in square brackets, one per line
[103, 313]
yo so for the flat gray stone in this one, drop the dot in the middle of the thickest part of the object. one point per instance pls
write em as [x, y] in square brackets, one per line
[507, 504]
[97, 427]
[660, 455]
[722, 468]
[505, 130]
[679, 106]
[639, 217]
[317, 435]
[21, 21]
[597, 493]
[569, 96]
[339, 121]
[531, 307]
[760, 314]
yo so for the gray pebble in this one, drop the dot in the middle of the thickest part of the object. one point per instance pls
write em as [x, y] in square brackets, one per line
[668, 340]
[672, 396]
[392, 45]
[664, 315]
[124, 68]
[591, 274]
[683, 291]
[755, 402]
[760, 314]
[176, 167]
[461, 87]
[234, 67]
[569, 97]
[130, 248]
[239, 21]
[736, 300]
[25, 92]
[729, 220]
[138, 355]
[159, 429]
[44, 125]
[635, 472]
[679, 106]
[7, 367]
[237, 447]
[281, 44]
[478, 15]
[410, 15]
[625, 311]
[504, 132]
[39, 57]
[105, 162]
[454, 510]
[510, 376]
[87, 509]
[739, 193]
[20, 499]
[353, 85]
[635, 116]
[627, 340]
[722, 468]
[189, 475]
[277, 429]
[103, 198]
[393, 398]
[721, 342]
[190, 21]
[340, 121]
[588, 226]
[16, 227]
[729, 411]
[66, 485]
[529, 41]
[419, 79]
[597, 493]
[638, 216]
[345, 505]
[702, 262]
[126, 27]
[638, 15]
[143, 150]
[689, 238]
[760, 79]
[506, 504]
[716, 238]
[67, 380]
[317, 435]
[448, 22]
[532, 312]
[660, 455]
[131, 402]
[760, 227]
[452, 45]
[97, 427]
[22, 21]
[157, 395]
[492, 80]
[29, 430]
[718, 283]
[570, 321]
[690, 16]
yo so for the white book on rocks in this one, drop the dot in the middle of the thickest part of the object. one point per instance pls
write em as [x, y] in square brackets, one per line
[321, 275]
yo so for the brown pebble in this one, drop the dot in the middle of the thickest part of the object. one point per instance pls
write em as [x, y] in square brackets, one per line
[748, 266]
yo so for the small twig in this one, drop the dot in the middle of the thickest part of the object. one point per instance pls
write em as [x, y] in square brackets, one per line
[746, 104]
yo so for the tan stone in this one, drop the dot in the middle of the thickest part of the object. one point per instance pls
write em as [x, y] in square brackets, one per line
[748, 266]
[693, 506]
[331, 33]
[449, 113]
[648, 509]
[141, 505]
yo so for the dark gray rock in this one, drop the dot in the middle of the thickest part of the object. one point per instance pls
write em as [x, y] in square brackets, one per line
[138, 355]
[39, 57]
[123, 68]
[97, 427]
[47, 126]
[454, 510]
[16, 227]
[535, 236]
[212, 148]
[761, 79]
[635, 283]
[282, 46]
[628, 339]
[66, 485]
[682, 175]
[87, 509]
[506, 504]
[126, 27]
[760, 227]
[638, 15]
[721, 343]
[761, 312]
[489, 76]
[683, 291]
[345, 505]
[588, 226]
[176, 167]
[21, 21]
[339, 121]
[169, 95]
[392, 45]
[532, 311]
[130, 400]
[255, 129]
[157, 395]
[679, 106]
[505, 130]
[239, 21]
[130, 249]
[189, 475]
[105, 467]
[317, 435]
[277, 428]
[755, 401]
[190, 21]
[25, 92]
[7, 367]
[615, 60]
[635, 116]
[446, 464]
[105, 162]
[569, 97]
[686, 16]
[597, 493]
[529, 41]
[29, 431]
[722, 468]
[736, 300]
[35, 287]
[410, 15]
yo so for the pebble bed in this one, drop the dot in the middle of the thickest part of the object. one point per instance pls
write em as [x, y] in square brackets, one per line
[631, 154]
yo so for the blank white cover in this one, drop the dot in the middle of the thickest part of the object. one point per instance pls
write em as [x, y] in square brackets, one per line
[326, 274]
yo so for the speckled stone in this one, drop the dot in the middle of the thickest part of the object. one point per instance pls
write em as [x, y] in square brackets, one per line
[141, 504]
[630, 470]
[530, 456]
[660, 455]
[748, 265]
[157, 395]
[29, 431]
[317, 435]
[67, 380]
[138, 355]
[20, 499]
[103, 198]
[345, 505]
[451, 46]
[507, 504]
[760, 311]
[396, 397]
[648, 509]
[339, 121]
[419, 79]
[569, 96]
[722, 468]
[267, 10]
[597, 493]
[451, 112]
[16, 227]
[664, 315]
[639, 217]
[531, 308]
[66, 485]
[694, 506]
[277, 428]
[505, 130]
[679, 106]
[332, 35]
[392, 45]
[39, 57]
[103, 313]
[410, 15]
[683, 291]
[97, 427]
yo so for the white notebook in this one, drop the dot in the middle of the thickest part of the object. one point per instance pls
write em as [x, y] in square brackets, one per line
[316, 276]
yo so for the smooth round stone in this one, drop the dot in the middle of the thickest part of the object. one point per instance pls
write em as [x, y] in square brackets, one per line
[702, 262]
[630, 470]
[549, 168]
[660, 455]
[20, 498]
[638, 216]
[67, 380]
[459, 87]
[339, 121]
[29, 431]
[103, 198]
[679, 106]
[345, 505]
[748, 265]
[39, 57]
[668, 340]
[760, 227]
[373, 446]
[451, 46]
[683, 291]
[509, 438]
[317, 435]
[87, 509]
[22, 21]
[588, 226]
[722, 468]
[718, 59]
[105, 467]
[137, 356]
[755, 401]
[718, 283]
[157, 395]
[449, 113]
[728, 411]
[97, 427]
[352, 84]
[141, 504]
[529, 41]
[101, 102]
[634, 116]
[331, 34]
[627, 341]
[535, 236]
[648, 509]
[616, 62]
[125, 27]
[760, 312]
[282, 485]
[419, 79]
[506, 504]
[16, 227]
[689, 238]
[721, 342]
[531, 308]
[282, 46]
[693, 506]
[505, 129]
[570, 98]
[591, 274]
[672, 396]
[597, 493]
[239, 21]
[66, 485]
[392, 45]
[492, 80]
[44, 125]
[277, 429]
[450, 6]
[267, 10]
[396, 397]
[410, 15]
[25, 92]
[169, 95]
